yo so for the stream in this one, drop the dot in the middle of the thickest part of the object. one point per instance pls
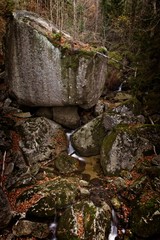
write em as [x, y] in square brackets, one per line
[53, 225]
[113, 233]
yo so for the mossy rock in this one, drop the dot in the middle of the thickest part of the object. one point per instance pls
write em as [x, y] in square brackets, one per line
[66, 164]
[55, 194]
[84, 221]
[87, 140]
[126, 144]
[145, 216]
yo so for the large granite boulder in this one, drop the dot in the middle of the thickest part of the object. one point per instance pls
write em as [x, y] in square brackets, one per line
[87, 140]
[126, 144]
[41, 139]
[42, 71]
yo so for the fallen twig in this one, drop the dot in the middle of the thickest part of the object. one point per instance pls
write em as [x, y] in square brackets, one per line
[3, 168]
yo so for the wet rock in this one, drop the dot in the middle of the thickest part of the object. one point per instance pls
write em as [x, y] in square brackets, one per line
[67, 116]
[87, 140]
[125, 145]
[67, 164]
[41, 139]
[85, 221]
[24, 228]
[145, 216]
[5, 210]
[46, 75]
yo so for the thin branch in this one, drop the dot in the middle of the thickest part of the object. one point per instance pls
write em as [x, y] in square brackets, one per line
[3, 168]
[104, 55]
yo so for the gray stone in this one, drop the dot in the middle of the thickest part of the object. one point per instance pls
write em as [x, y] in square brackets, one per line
[84, 192]
[25, 228]
[87, 140]
[83, 183]
[41, 73]
[67, 116]
[125, 145]
[40, 139]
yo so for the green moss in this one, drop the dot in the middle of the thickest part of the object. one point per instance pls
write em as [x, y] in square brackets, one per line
[115, 59]
[145, 222]
[108, 142]
[89, 217]
[99, 132]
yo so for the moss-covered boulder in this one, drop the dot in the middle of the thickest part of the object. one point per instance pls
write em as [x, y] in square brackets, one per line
[67, 164]
[126, 144]
[47, 67]
[145, 216]
[55, 194]
[85, 221]
[87, 140]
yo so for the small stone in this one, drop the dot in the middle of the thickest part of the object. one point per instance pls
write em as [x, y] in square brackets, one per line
[116, 203]
[84, 191]
[83, 183]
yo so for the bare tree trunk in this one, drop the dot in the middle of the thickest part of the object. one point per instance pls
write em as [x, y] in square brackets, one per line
[51, 9]
[74, 19]
[96, 19]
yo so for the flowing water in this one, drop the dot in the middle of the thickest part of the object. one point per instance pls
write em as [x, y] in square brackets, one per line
[71, 150]
[53, 228]
[90, 165]
[113, 233]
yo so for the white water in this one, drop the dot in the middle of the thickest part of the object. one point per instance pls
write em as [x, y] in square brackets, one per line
[113, 233]
[53, 228]
[120, 86]
[71, 150]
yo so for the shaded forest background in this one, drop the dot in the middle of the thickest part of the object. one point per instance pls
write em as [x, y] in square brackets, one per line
[129, 29]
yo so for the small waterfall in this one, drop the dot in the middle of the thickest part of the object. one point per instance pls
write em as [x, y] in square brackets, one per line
[53, 228]
[120, 86]
[71, 150]
[113, 233]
